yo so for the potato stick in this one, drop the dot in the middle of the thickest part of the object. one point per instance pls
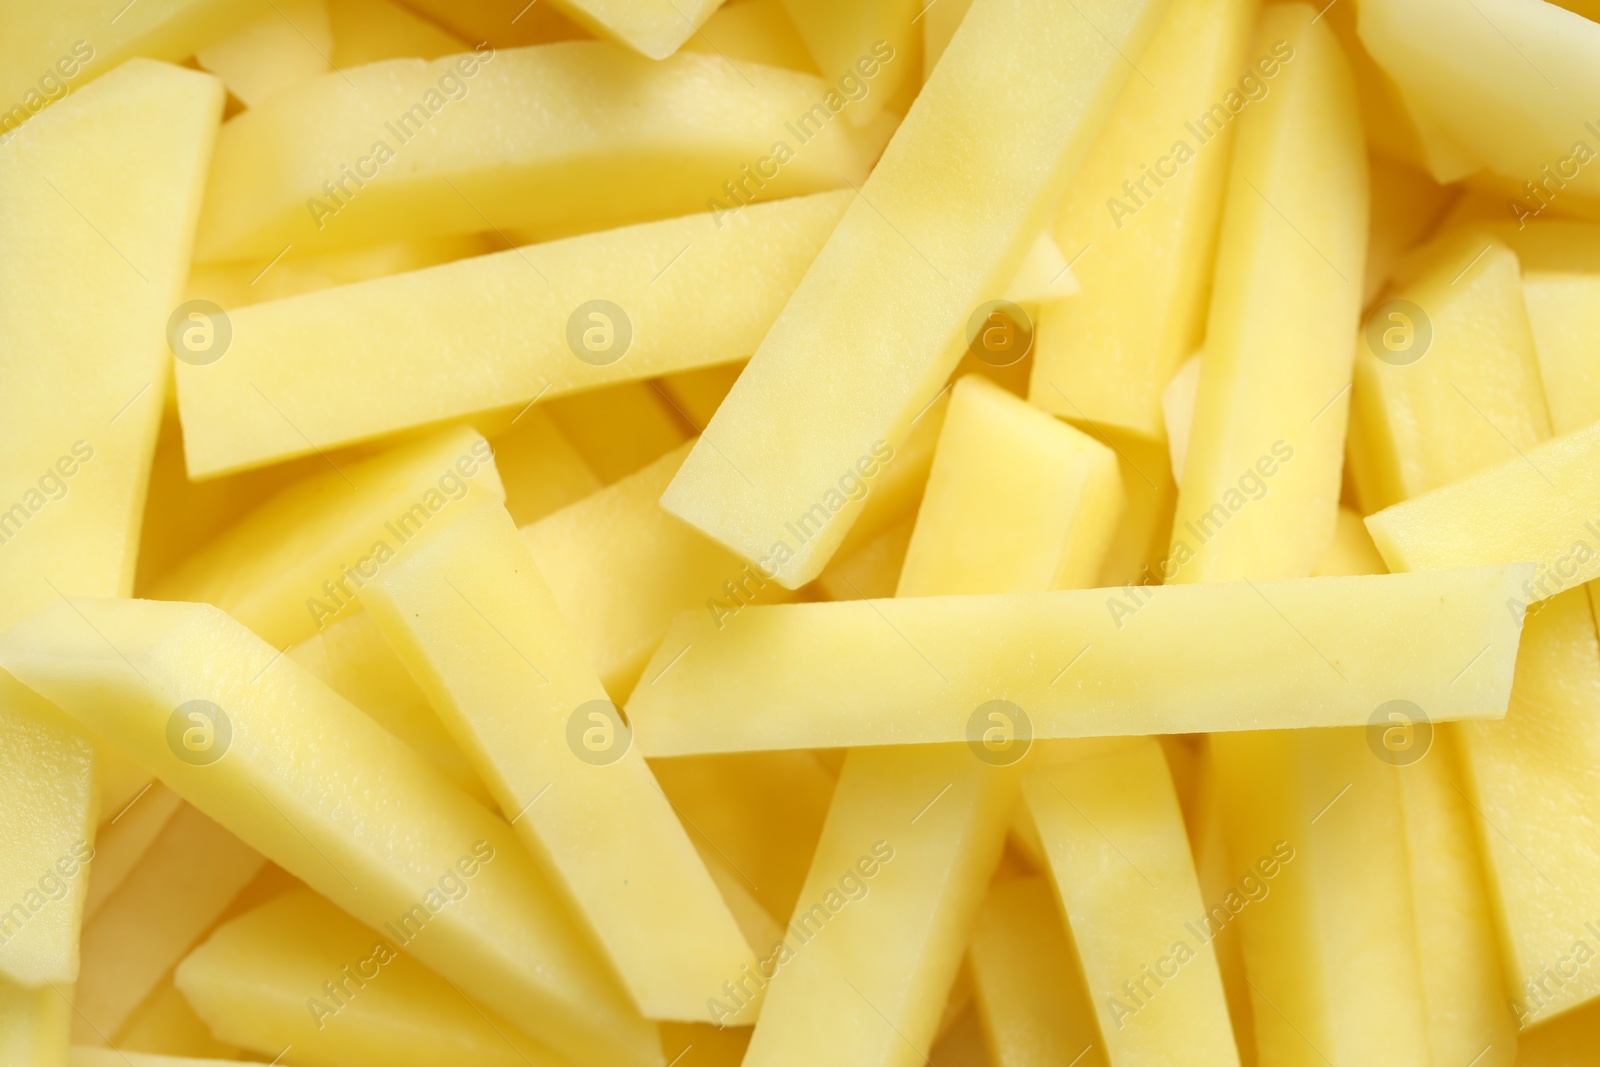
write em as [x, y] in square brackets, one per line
[523, 703]
[421, 149]
[1261, 473]
[880, 319]
[1173, 659]
[246, 735]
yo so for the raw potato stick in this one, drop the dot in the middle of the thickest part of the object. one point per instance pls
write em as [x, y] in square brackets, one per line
[1173, 659]
[506, 329]
[1261, 471]
[880, 319]
[300, 775]
[604, 138]
[521, 700]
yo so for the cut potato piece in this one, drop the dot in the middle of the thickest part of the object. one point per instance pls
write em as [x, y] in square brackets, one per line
[619, 429]
[1174, 659]
[1028, 984]
[1457, 942]
[654, 28]
[1044, 277]
[541, 471]
[351, 657]
[369, 31]
[1446, 380]
[868, 47]
[1017, 501]
[1406, 204]
[1552, 491]
[520, 699]
[1321, 894]
[176, 892]
[255, 281]
[696, 394]
[1528, 778]
[939, 23]
[299, 559]
[83, 350]
[1120, 861]
[121, 844]
[326, 793]
[876, 326]
[870, 954]
[872, 571]
[34, 1025]
[502, 23]
[89, 1056]
[621, 568]
[285, 46]
[605, 137]
[1140, 220]
[298, 972]
[165, 1023]
[753, 31]
[50, 48]
[1261, 472]
[759, 812]
[1352, 550]
[1149, 495]
[1177, 411]
[1564, 314]
[1214, 868]
[509, 328]
[49, 797]
[1512, 110]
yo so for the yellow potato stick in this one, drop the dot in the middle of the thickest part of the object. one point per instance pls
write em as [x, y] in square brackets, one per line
[1261, 472]
[654, 28]
[1550, 488]
[257, 743]
[534, 720]
[880, 319]
[1175, 659]
[1122, 869]
[508, 329]
[34, 1023]
[608, 138]
[299, 972]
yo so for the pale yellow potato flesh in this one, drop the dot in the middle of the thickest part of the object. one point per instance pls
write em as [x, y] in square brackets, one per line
[1446, 382]
[34, 1024]
[875, 940]
[351, 657]
[1457, 939]
[878, 323]
[510, 697]
[621, 568]
[368, 31]
[1352, 550]
[121, 844]
[1406, 204]
[542, 471]
[299, 972]
[176, 892]
[1208, 829]
[1552, 491]
[506, 329]
[653, 28]
[1027, 983]
[107, 188]
[871, 571]
[286, 45]
[324, 792]
[237, 283]
[1016, 501]
[1321, 893]
[696, 394]
[1184, 659]
[1564, 314]
[753, 31]
[607, 138]
[50, 48]
[1513, 110]
[1261, 473]
[89, 1056]
[1529, 775]
[166, 1023]
[868, 47]
[1142, 239]
[46, 836]
[299, 559]
[619, 429]
[1122, 869]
